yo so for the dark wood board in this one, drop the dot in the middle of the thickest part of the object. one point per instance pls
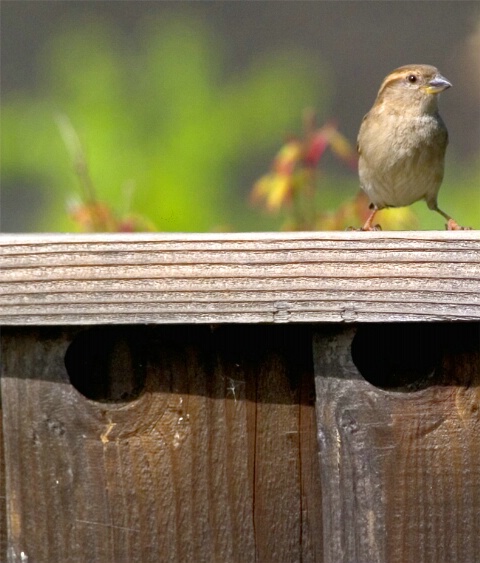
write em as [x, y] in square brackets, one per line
[400, 465]
[214, 460]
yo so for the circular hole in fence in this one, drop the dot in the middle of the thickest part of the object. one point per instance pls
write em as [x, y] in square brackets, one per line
[402, 356]
[107, 363]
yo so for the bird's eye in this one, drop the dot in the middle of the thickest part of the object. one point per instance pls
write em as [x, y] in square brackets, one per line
[412, 78]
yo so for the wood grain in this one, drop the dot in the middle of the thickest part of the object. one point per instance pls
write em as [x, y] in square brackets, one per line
[3, 501]
[400, 468]
[239, 278]
[215, 461]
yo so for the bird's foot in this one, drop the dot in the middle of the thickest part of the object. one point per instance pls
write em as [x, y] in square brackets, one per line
[365, 228]
[452, 225]
[376, 227]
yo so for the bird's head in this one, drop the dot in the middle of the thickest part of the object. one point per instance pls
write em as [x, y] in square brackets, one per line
[413, 86]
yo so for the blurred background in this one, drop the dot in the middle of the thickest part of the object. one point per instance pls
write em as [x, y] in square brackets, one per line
[149, 115]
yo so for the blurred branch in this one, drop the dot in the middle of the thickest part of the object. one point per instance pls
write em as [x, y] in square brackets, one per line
[77, 157]
[91, 214]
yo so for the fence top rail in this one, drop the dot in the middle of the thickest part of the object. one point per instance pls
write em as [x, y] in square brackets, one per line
[165, 278]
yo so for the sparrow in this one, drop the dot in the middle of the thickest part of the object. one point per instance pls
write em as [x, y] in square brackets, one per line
[402, 142]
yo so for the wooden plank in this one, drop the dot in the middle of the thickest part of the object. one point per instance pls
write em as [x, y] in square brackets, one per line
[400, 468]
[287, 499]
[239, 278]
[3, 512]
[215, 460]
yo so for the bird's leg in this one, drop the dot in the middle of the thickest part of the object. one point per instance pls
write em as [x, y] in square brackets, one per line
[368, 223]
[452, 225]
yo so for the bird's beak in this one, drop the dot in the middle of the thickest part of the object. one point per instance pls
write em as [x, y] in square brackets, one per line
[438, 84]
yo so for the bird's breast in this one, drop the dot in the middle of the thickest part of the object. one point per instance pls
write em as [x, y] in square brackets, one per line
[401, 158]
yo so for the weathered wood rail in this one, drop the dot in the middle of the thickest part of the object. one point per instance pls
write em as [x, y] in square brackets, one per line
[238, 398]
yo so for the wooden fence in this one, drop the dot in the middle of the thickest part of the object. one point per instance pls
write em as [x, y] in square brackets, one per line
[240, 398]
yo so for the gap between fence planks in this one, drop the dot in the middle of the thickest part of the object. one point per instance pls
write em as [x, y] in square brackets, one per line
[64, 279]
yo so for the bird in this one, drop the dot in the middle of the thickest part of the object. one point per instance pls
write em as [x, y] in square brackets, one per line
[402, 142]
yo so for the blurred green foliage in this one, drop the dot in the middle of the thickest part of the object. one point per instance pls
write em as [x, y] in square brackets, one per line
[165, 115]
[174, 135]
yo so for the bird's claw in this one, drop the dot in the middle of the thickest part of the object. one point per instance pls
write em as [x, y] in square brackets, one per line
[452, 225]
[365, 228]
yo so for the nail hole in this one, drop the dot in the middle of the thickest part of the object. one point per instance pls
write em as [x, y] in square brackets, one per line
[107, 363]
[399, 356]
